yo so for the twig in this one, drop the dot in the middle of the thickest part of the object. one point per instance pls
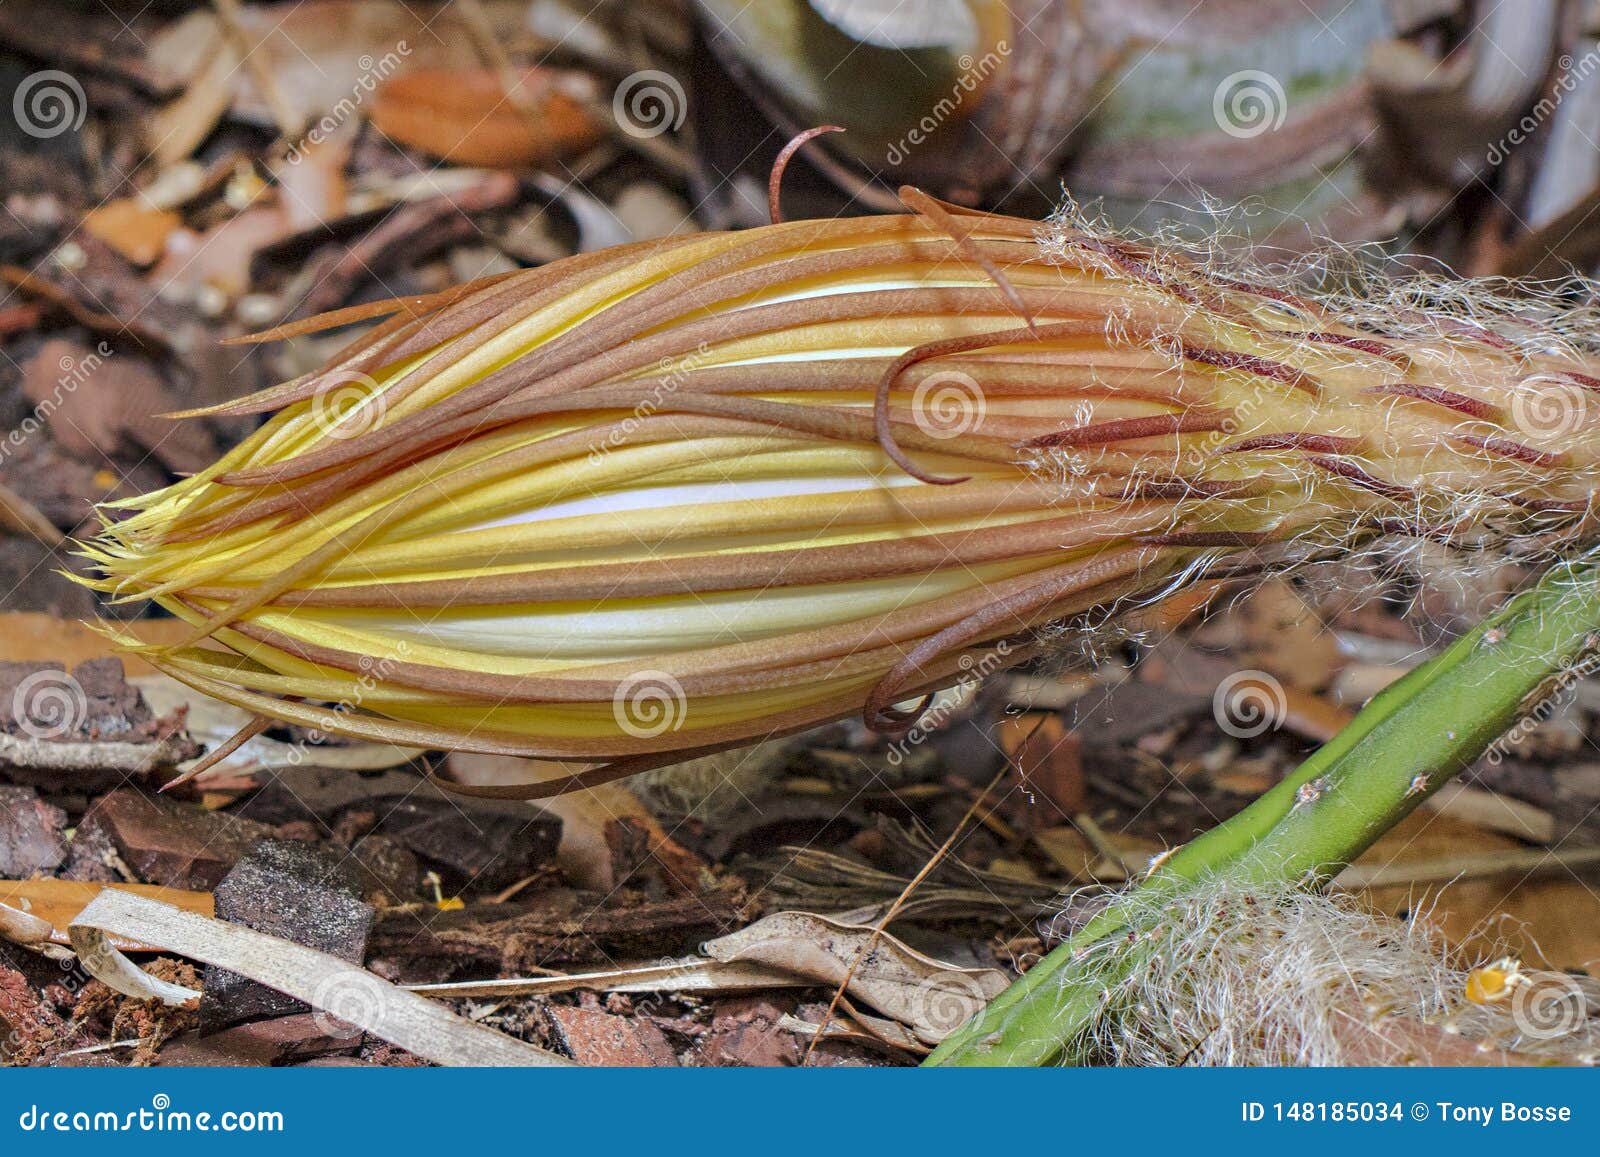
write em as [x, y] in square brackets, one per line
[20, 514]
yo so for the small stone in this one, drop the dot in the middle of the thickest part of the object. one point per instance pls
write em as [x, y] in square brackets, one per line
[31, 842]
[299, 892]
[598, 1039]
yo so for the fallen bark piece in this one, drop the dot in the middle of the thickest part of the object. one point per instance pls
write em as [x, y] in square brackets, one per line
[293, 891]
[27, 1023]
[31, 842]
[559, 927]
[389, 872]
[597, 1039]
[323, 793]
[283, 1040]
[336, 987]
[172, 844]
[477, 845]
[746, 1032]
[472, 846]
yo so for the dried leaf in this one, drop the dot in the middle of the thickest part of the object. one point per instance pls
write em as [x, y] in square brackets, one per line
[32, 637]
[691, 974]
[133, 228]
[467, 117]
[928, 996]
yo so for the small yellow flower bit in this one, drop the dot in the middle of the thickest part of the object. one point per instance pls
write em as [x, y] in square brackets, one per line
[1493, 983]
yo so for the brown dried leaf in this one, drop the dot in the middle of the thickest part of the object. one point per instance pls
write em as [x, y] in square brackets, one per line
[466, 117]
[930, 997]
[133, 228]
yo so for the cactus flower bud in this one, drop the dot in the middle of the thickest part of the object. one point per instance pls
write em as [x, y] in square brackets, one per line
[683, 495]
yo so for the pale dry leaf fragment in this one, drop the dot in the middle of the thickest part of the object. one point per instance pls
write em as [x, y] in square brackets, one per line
[335, 987]
[23, 927]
